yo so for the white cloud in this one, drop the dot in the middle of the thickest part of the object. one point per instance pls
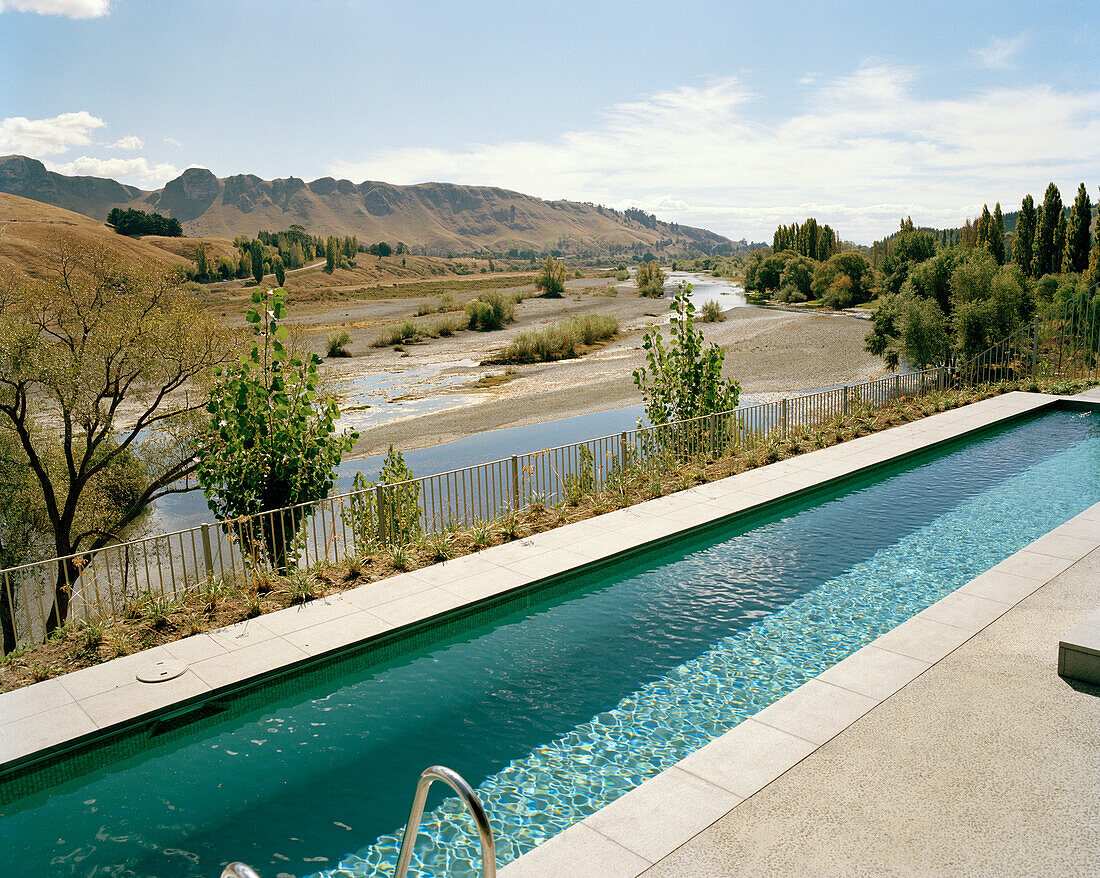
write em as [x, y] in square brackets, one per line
[39, 137]
[172, 141]
[137, 171]
[71, 8]
[999, 53]
[129, 142]
[862, 152]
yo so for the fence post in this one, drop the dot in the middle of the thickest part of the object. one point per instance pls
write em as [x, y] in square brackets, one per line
[380, 505]
[515, 483]
[622, 455]
[897, 386]
[783, 417]
[207, 554]
[844, 407]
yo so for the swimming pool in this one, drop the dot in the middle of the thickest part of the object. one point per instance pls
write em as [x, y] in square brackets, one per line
[558, 701]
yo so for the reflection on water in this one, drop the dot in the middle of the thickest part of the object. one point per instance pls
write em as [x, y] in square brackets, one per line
[705, 288]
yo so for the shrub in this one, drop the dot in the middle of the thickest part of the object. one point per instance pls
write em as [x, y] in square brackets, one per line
[448, 326]
[551, 278]
[490, 311]
[683, 380]
[408, 330]
[622, 274]
[711, 312]
[337, 343]
[650, 280]
[560, 341]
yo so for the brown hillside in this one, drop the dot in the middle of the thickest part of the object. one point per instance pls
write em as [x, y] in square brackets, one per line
[29, 231]
[436, 217]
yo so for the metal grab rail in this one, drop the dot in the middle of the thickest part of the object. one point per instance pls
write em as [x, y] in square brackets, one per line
[469, 798]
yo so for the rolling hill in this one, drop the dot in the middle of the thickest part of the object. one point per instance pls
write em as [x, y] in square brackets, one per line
[29, 232]
[433, 217]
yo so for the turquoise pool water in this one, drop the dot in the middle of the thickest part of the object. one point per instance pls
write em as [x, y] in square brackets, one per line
[556, 703]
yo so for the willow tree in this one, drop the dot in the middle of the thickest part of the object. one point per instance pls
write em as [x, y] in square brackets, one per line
[103, 367]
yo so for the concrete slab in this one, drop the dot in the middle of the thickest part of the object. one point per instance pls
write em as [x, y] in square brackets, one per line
[579, 852]
[1079, 651]
[654, 819]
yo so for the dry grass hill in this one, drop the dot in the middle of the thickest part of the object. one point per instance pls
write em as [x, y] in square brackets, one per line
[29, 233]
[438, 218]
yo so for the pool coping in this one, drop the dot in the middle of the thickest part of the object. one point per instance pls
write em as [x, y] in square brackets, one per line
[41, 721]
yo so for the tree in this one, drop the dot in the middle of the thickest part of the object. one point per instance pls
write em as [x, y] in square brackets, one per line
[683, 380]
[280, 270]
[1078, 238]
[923, 334]
[272, 439]
[983, 227]
[650, 280]
[1092, 272]
[909, 248]
[1023, 247]
[997, 235]
[202, 263]
[100, 338]
[256, 253]
[24, 525]
[795, 279]
[330, 255]
[551, 278]
[1043, 259]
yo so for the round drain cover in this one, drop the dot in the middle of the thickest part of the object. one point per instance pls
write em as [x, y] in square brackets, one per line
[158, 672]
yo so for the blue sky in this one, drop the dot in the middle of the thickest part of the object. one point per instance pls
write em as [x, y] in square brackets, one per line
[733, 116]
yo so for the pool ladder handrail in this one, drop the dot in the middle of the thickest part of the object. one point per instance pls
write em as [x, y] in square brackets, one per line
[427, 777]
[469, 798]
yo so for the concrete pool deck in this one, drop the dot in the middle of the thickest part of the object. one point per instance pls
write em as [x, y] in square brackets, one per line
[654, 823]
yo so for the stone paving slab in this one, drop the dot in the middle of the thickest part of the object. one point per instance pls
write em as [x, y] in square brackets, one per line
[232, 656]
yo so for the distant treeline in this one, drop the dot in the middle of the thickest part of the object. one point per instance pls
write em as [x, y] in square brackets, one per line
[807, 239]
[1038, 239]
[138, 222]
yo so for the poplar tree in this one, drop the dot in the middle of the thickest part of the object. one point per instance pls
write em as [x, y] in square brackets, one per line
[1043, 259]
[330, 255]
[997, 235]
[1058, 248]
[984, 222]
[256, 251]
[1078, 238]
[1023, 247]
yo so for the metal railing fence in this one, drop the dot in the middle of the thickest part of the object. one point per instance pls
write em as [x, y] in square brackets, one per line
[1061, 344]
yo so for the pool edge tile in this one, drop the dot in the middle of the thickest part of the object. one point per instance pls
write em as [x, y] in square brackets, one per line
[670, 805]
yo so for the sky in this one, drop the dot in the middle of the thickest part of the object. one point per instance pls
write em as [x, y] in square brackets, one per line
[732, 116]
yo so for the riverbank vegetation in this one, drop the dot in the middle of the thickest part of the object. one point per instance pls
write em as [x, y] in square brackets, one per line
[154, 620]
[650, 280]
[562, 341]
